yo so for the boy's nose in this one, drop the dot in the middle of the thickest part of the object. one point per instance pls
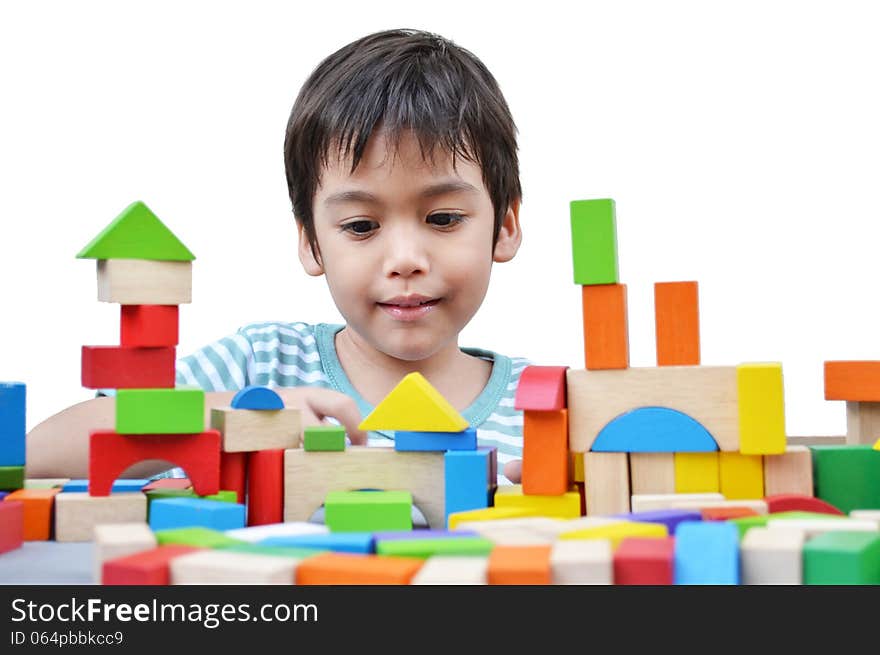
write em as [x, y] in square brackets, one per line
[406, 254]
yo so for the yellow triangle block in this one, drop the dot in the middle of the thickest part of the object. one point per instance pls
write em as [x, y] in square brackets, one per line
[414, 405]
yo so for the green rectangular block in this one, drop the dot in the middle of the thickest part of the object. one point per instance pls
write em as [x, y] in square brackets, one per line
[11, 478]
[324, 438]
[154, 494]
[848, 477]
[200, 537]
[425, 548]
[594, 241]
[744, 523]
[843, 558]
[368, 511]
[160, 411]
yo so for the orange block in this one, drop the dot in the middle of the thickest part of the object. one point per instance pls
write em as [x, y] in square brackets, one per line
[606, 340]
[545, 453]
[677, 323]
[726, 513]
[38, 505]
[352, 569]
[855, 381]
[520, 565]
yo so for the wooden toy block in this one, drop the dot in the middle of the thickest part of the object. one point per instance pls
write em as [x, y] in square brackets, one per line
[11, 525]
[741, 476]
[816, 440]
[614, 533]
[866, 515]
[148, 567]
[668, 517]
[257, 398]
[256, 533]
[77, 513]
[645, 561]
[13, 401]
[677, 323]
[761, 409]
[308, 476]
[338, 542]
[119, 486]
[652, 473]
[149, 326]
[265, 480]
[247, 430]
[169, 513]
[368, 511]
[846, 476]
[233, 473]
[726, 513]
[111, 453]
[425, 548]
[582, 492]
[467, 476]
[545, 452]
[141, 282]
[862, 422]
[594, 241]
[324, 438]
[707, 553]
[842, 558]
[524, 531]
[812, 527]
[11, 477]
[759, 506]
[223, 496]
[520, 565]
[576, 466]
[116, 540]
[789, 473]
[127, 367]
[414, 405]
[229, 567]
[453, 570]
[607, 491]
[772, 557]
[541, 388]
[648, 502]
[350, 569]
[606, 334]
[652, 430]
[852, 380]
[581, 562]
[170, 483]
[799, 502]
[45, 483]
[697, 473]
[198, 537]
[564, 506]
[37, 510]
[178, 410]
[276, 551]
[462, 519]
[708, 394]
[411, 441]
[136, 233]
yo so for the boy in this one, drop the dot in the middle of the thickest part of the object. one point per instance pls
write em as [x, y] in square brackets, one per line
[402, 171]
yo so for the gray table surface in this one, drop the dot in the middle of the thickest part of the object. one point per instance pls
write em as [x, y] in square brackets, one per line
[48, 562]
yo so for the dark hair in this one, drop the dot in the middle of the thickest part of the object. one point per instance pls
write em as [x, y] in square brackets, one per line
[403, 80]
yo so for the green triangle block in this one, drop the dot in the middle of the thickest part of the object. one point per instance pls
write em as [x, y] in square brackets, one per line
[137, 233]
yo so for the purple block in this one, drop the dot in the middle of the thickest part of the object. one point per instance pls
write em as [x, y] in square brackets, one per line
[668, 517]
[3, 494]
[422, 534]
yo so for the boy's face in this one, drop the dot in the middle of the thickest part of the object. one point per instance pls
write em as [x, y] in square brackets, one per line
[402, 230]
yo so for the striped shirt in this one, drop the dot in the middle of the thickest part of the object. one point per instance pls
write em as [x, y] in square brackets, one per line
[299, 354]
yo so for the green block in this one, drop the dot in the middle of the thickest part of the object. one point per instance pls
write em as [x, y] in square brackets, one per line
[425, 548]
[201, 537]
[744, 523]
[11, 478]
[368, 511]
[842, 558]
[848, 477]
[153, 494]
[137, 233]
[324, 438]
[160, 411]
[277, 551]
[594, 242]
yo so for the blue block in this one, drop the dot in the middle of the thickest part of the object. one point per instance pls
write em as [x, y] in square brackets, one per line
[405, 441]
[3, 494]
[340, 542]
[255, 397]
[466, 476]
[668, 517]
[168, 513]
[121, 484]
[654, 430]
[12, 423]
[707, 553]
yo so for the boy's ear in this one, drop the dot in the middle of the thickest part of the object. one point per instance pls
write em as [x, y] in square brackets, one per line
[311, 265]
[510, 235]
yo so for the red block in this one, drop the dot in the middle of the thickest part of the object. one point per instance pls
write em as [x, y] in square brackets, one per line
[168, 483]
[111, 453]
[265, 485]
[149, 567]
[541, 388]
[127, 367]
[799, 503]
[643, 561]
[233, 473]
[11, 525]
[148, 325]
[726, 513]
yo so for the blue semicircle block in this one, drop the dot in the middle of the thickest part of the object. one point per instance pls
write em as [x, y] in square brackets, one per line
[255, 397]
[654, 430]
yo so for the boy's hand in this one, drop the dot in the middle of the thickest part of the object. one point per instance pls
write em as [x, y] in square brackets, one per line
[316, 404]
[513, 471]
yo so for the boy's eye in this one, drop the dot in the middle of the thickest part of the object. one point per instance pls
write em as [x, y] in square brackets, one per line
[359, 227]
[446, 219]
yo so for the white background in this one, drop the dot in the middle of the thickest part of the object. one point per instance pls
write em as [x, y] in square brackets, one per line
[740, 141]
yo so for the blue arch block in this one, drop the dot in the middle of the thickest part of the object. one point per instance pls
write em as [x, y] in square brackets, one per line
[255, 397]
[654, 430]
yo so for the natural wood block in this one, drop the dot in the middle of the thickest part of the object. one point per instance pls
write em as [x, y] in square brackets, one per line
[246, 430]
[37, 508]
[772, 556]
[526, 531]
[813, 527]
[229, 567]
[45, 483]
[520, 565]
[862, 422]
[453, 570]
[582, 562]
[707, 394]
[761, 409]
[652, 473]
[77, 513]
[789, 473]
[852, 380]
[113, 540]
[816, 440]
[677, 323]
[650, 502]
[606, 333]
[741, 476]
[697, 473]
[144, 282]
[755, 504]
[545, 452]
[607, 483]
[866, 515]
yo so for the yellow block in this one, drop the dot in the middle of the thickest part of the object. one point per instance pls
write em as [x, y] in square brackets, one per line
[564, 506]
[761, 409]
[696, 473]
[742, 476]
[488, 514]
[617, 532]
[577, 466]
[414, 405]
[877, 445]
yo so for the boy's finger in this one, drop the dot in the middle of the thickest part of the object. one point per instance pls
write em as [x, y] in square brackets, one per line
[513, 471]
[343, 409]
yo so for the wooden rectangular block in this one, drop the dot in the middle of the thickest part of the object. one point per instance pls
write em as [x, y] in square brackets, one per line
[351, 569]
[652, 473]
[852, 380]
[77, 513]
[707, 394]
[453, 570]
[545, 452]
[368, 511]
[247, 430]
[169, 513]
[265, 483]
[13, 400]
[467, 479]
[328, 438]
[576, 466]
[446, 545]
[11, 477]
[862, 422]
[741, 476]
[520, 565]
[789, 473]
[522, 531]
[645, 561]
[606, 333]
[11, 525]
[866, 515]
[677, 323]
[649, 502]
[459, 519]
[148, 326]
[761, 409]
[843, 558]
[144, 282]
[257, 533]
[38, 505]
[614, 533]
[564, 506]
[127, 367]
[707, 553]
[160, 411]
[772, 557]
[195, 536]
[697, 473]
[846, 476]
[594, 241]
[209, 567]
[114, 540]
[422, 441]
[607, 487]
[45, 483]
[812, 527]
[581, 562]
[149, 567]
[541, 388]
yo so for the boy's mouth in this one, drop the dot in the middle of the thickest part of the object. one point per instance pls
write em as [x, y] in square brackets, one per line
[409, 310]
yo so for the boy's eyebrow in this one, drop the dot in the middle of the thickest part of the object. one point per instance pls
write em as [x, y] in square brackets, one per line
[438, 189]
